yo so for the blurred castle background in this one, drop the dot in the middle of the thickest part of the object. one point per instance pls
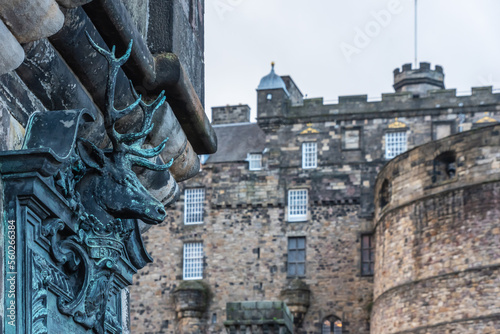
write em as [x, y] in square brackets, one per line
[362, 217]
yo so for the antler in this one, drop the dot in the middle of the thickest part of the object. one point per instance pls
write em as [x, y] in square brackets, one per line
[130, 144]
[138, 154]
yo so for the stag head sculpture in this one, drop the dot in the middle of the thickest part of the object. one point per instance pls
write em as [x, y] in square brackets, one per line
[110, 188]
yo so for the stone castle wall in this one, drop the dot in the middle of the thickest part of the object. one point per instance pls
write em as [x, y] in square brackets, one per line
[245, 228]
[245, 249]
[437, 259]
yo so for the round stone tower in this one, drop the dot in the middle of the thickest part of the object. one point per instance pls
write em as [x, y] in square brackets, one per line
[437, 214]
[420, 80]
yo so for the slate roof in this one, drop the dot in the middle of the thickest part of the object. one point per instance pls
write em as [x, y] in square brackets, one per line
[235, 141]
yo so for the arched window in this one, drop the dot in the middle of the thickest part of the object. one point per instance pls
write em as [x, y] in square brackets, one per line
[332, 325]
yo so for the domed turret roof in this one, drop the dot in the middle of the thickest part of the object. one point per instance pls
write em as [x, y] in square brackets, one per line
[272, 81]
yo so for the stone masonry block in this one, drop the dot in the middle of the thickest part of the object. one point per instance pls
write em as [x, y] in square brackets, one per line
[30, 20]
[11, 52]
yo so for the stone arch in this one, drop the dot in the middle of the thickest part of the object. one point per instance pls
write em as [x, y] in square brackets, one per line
[331, 325]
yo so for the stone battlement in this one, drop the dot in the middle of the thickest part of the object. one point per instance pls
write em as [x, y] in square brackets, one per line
[438, 99]
[418, 81]
[424, 67]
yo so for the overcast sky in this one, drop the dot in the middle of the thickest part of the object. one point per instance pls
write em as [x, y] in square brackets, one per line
[338, 47]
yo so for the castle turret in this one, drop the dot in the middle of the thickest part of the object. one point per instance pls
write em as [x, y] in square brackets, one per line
[272, 96]
[420, 80]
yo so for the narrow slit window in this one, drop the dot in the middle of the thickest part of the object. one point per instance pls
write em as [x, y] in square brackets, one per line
[367, 255]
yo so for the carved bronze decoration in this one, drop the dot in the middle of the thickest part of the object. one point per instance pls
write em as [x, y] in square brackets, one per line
[95, 247]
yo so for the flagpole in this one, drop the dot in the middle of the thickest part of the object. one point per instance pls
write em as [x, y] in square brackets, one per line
[416, 33]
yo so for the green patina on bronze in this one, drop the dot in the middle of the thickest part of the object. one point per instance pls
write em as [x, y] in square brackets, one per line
[77, 206]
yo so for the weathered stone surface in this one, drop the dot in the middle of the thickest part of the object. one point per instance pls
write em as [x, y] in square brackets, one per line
[30, 20]
[72, 3]
[438, 242]
[20, 102]
[11, 52]
[11, 132]
[16, 104]
[297, 296]
[230, 114]
[178, 26]
[191, 299]
[51, 80]
[139, 11]
[186, 163]
[260, 316]
[56, 86]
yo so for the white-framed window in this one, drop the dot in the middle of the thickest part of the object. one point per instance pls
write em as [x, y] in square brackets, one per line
[193, 206]
[192, 266]
[254, 161]
[309, 155]
[297, 205]
[395, 144]
[296, 262]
